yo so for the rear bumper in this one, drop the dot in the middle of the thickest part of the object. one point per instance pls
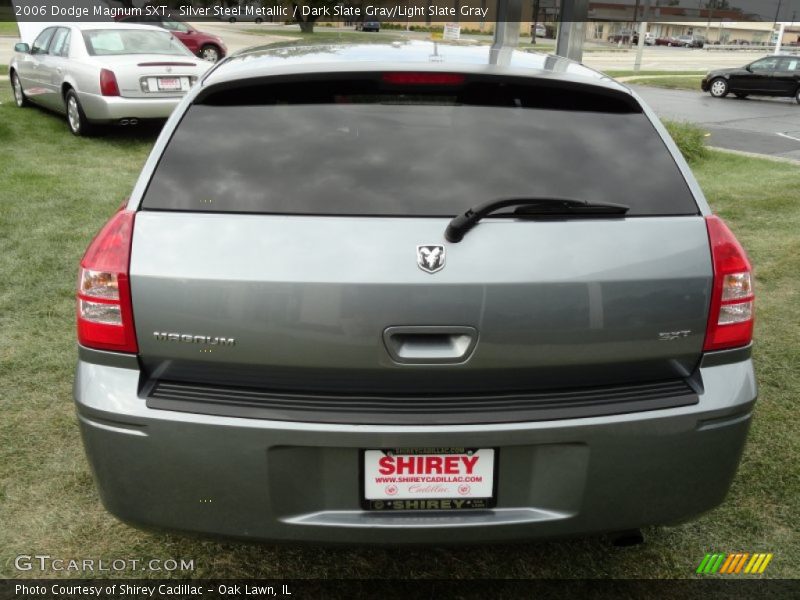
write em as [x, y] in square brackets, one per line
[291, 481]
[106, 109]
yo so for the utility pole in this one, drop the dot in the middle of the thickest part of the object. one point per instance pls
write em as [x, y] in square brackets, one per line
[779, 43]
[780, 31]
[572, 29]
[710, 9]
[535, 21]
[642, 33]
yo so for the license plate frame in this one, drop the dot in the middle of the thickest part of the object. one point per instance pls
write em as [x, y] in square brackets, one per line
[175, 85]
[427, 503]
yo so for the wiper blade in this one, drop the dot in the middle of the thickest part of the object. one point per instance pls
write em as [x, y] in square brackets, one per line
[529, 207]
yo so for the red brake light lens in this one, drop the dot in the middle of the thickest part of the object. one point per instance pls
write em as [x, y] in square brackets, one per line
[414, 78]
[108, 83]
[730, 320]
[105, 312]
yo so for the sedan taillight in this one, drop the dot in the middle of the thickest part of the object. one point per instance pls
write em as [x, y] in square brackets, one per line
[108, 83]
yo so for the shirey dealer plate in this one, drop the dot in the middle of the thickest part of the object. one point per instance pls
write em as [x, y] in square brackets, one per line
[429, 478]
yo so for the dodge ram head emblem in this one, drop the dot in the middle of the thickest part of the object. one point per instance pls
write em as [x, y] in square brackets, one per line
[430, 258]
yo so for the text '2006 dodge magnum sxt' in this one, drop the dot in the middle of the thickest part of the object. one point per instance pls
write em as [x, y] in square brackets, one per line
[361, 296]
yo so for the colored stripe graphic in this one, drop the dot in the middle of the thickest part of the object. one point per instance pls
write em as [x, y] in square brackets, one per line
[703, 564]
[741, 562]
[765, 563]
[729, 562]
[751, 563]
[716, 564]
[734, 563]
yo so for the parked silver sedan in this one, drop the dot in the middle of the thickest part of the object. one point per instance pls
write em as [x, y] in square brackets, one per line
[104, 73]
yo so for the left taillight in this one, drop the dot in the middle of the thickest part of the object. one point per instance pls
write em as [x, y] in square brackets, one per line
[108, 83]
[105, 311]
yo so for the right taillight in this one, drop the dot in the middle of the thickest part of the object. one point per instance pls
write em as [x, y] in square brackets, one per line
[105, 312]
[730, 321]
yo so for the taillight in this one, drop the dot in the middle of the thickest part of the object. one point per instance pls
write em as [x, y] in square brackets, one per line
[730, 321]
[415, 78]
[105, 313]
[108, 83]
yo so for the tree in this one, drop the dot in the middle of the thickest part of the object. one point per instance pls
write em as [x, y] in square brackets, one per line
[315, 10]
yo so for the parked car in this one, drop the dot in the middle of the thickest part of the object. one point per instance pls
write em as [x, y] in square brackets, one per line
[404, 344]
[244, 18]
[104, 73]
[207, 46]
[624, 35]
[667, 41]
[540, 30]
[691, 41]
[368, 25]
[628, 36]
[649, 39]
[777, 75]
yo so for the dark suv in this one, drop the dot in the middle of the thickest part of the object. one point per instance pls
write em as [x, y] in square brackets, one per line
[359, 296]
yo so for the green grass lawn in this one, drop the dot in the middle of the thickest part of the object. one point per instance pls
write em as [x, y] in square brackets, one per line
[673, 82]
[9, 28]
[56, 192]
[645, 73]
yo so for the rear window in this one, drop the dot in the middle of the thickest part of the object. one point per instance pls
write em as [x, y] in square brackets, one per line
[113, 42]
[372, 148]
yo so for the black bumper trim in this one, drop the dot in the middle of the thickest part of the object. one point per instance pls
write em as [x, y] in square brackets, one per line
[419, 410]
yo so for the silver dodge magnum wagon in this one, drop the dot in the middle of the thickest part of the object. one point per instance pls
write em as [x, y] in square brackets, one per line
[413, 292]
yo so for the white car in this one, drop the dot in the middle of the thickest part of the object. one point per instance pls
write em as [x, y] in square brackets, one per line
[104, 73]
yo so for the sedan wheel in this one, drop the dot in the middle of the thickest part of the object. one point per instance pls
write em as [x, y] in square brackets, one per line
[19, 95]
[210, 53]
[719, 88]
[797, 96]
[76, 118]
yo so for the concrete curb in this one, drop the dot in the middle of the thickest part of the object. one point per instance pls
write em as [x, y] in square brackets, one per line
[771, 157]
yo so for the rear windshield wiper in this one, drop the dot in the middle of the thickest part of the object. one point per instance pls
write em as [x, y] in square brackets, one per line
[531, 208]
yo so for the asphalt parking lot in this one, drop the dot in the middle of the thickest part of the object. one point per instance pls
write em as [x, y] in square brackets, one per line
[761, 125]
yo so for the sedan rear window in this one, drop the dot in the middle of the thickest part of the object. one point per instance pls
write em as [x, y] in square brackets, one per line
[361, 150]
[105, 42]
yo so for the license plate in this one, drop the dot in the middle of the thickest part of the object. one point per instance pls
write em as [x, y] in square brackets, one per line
[429, 478]
[169, 83]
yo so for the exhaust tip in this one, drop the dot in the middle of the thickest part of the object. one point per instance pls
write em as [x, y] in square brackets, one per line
[133, 121]
[124, 122]
[625, 539]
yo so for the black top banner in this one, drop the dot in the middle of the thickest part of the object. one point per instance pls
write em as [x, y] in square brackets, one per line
[427, 11]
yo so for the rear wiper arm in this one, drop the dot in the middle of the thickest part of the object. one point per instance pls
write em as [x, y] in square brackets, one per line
[461, 224]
